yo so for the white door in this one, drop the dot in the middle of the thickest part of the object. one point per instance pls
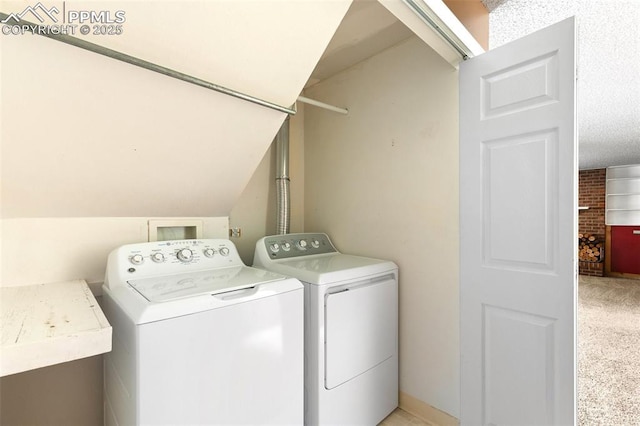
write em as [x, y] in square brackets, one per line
[518, 226]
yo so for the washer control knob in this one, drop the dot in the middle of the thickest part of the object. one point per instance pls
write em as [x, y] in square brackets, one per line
[209, 252]
[302, 244]
[315, 243]
[185, 255]
[224, 251]
[274, 247]
[286, 246]
[157, 257]
[136, 259]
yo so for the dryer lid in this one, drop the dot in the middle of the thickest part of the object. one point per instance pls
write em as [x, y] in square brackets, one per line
[330, 268]
[213, 281]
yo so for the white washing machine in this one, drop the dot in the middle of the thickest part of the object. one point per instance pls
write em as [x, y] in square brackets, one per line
[351, 327]
[200, 338]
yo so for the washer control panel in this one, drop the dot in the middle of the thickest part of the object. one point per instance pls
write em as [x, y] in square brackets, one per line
[295, 245]
[167, 257]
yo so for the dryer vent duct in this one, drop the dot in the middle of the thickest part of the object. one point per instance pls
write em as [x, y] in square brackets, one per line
[282, 179]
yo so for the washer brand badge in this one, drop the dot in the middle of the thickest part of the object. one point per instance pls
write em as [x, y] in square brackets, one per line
[68, 22]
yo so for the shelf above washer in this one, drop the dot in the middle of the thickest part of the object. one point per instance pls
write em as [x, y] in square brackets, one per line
[48, 324]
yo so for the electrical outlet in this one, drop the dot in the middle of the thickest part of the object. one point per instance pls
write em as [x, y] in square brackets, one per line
[235, 232]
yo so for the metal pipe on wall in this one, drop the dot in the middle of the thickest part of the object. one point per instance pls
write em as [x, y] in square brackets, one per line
[283, 201]
[114, 54]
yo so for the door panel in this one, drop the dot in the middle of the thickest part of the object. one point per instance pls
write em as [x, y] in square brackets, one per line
[522, 86]
[518, 349]
[518, 223]
[530, 161]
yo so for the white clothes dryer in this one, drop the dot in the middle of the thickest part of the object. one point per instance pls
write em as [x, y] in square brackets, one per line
[200, 338]
[351, 327]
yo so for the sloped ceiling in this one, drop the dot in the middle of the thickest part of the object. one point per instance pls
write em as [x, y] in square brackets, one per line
[371, 26]
[367, 29]
[608, 68]
[85, 135]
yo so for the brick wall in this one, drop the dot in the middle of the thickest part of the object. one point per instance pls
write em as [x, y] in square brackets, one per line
[591, 193]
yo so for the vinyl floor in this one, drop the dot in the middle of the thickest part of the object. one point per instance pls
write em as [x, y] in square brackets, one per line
[400, 417]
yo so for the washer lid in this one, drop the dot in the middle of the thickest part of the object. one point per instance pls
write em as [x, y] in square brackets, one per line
[212, 281]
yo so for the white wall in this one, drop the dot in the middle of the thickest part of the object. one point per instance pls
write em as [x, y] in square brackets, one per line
[46, 250]
[383, 182]
[86, 135]
[96, 137]
[92, 147]
[63, 394]
[255, 211]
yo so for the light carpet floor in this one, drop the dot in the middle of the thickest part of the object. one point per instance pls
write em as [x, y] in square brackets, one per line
[609, 352]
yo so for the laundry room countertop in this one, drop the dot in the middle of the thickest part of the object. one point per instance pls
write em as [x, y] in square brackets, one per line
[48, 324]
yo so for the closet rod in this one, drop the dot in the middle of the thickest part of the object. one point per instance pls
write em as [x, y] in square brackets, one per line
[83, 44]
[313, 102]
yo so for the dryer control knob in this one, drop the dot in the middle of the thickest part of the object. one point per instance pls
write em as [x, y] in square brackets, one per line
[136, 259]
[209, 252]
[275, 247]
[224, 251]
[286, 246]
[302, 244]
[315, 243]
[157, 257]
[185, 254]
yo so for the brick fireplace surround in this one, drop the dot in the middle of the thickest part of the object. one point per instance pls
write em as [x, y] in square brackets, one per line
[591, 194]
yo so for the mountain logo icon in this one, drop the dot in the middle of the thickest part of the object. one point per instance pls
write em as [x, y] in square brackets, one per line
[34, 11]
